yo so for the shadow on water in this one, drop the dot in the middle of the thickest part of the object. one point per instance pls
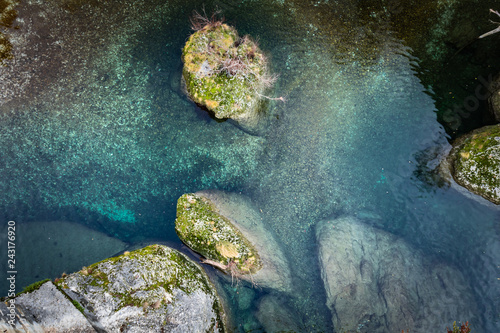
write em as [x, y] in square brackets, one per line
[357, 136]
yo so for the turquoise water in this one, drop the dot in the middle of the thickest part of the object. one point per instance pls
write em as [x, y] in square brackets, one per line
[100, 133]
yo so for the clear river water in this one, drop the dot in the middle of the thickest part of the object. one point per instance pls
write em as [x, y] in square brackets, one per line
[95, 130]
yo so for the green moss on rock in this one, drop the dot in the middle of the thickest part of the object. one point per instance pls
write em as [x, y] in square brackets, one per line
[224, 73]
[32, 287]
[204, 230]
[8, 14]
[475, 162]
[148, 284]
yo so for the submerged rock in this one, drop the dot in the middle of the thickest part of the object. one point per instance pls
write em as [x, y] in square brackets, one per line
[154, 289]
[375, 282]
[276, 316]
[228, 231]
[495, 104]
[494, 99]
[474, 162]
[225, 73]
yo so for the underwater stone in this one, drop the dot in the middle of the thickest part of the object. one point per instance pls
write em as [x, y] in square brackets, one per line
[474, 162]
[225, 73]
[154, 289]
[276, 315]
[495, 104]
[227, 230]
[375, 282]
[494, 99]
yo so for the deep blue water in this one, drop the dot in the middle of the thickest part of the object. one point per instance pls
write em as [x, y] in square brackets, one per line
[101, 134]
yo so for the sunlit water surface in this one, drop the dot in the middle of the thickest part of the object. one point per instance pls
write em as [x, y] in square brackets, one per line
[108, 139]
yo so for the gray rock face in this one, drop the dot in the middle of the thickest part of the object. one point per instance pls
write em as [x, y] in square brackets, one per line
[375, 282]
[44, 310]
[154, 289]
[275, 273]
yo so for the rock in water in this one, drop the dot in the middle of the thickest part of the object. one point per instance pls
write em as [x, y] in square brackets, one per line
[276, 316]
[494, 99]
[154, 289]
[228, 231]
[376, 283]
[225, 73]
[45, 309]
[474, 162]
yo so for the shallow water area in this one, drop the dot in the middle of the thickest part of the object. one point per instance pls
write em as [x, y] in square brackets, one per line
[95, 129]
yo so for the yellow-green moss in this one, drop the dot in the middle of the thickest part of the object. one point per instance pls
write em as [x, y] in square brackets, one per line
[32, 287]
[227, 91]
[8, 14]
[475, 162]
[204, 230]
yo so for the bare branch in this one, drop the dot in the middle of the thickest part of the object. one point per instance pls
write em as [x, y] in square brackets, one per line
[214, 263]
[490, 32]
[200, 21]
[494, 31]
[250, 66]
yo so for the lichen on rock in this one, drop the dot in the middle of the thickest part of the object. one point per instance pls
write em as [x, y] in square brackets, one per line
[228, 230]
[42, 308]
[205, 231]
[475, 162]
[151, 289]
[225, 73]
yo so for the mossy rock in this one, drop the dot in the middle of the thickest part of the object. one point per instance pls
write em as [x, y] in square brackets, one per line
[475, 162]
[237, 234]
[224, 73]
[8, 14]
[155, 287]
[204, 230]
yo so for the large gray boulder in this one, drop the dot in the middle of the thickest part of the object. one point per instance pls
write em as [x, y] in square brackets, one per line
[43, 310]
[375, 282]
[154, 289]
